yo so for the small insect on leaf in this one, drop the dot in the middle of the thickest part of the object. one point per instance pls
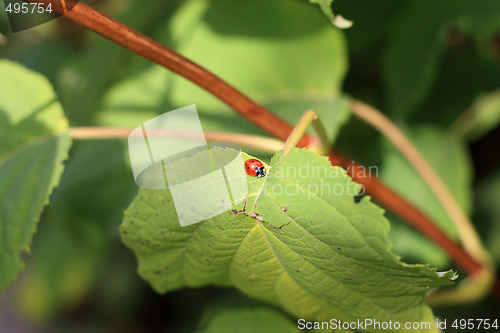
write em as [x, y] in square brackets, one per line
[255, 168]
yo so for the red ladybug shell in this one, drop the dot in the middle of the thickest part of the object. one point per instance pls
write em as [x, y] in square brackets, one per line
[255, 168]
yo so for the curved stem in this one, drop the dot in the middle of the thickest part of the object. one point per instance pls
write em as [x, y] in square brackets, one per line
[478, 285]
[260, 116]
[466, 230]
[252, 141]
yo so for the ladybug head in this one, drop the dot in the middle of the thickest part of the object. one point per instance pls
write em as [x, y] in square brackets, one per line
[260, 172]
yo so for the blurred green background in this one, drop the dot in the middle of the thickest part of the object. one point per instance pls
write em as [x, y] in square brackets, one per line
[432, 67]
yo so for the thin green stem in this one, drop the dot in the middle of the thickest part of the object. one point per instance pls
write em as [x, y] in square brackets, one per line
[482, 281]
[251, 141]
[298, 131]
[324, 142]
[319, 143]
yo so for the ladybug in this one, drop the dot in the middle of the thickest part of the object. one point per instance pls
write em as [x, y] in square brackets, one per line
[254, 168]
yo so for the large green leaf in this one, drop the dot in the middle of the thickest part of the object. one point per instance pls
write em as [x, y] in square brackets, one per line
[316, 253]
[33, 145]
[287, 66]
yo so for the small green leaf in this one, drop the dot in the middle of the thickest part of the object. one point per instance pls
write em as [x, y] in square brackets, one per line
[482, 117]
[310, 247]
[33, 144]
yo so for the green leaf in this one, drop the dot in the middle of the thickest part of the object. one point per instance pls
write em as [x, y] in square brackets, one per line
[288, 67]
[315, 253]
[452, 95]
[92, 195]
[413, 246]
[33, 145]
[243, 320]
[482, 117]
[417, 40]
[370, 28]
[412, 57]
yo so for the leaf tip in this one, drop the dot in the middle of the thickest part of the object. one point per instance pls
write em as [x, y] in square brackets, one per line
[340, 22]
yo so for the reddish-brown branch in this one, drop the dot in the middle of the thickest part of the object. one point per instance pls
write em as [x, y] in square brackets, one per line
[260, 116]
